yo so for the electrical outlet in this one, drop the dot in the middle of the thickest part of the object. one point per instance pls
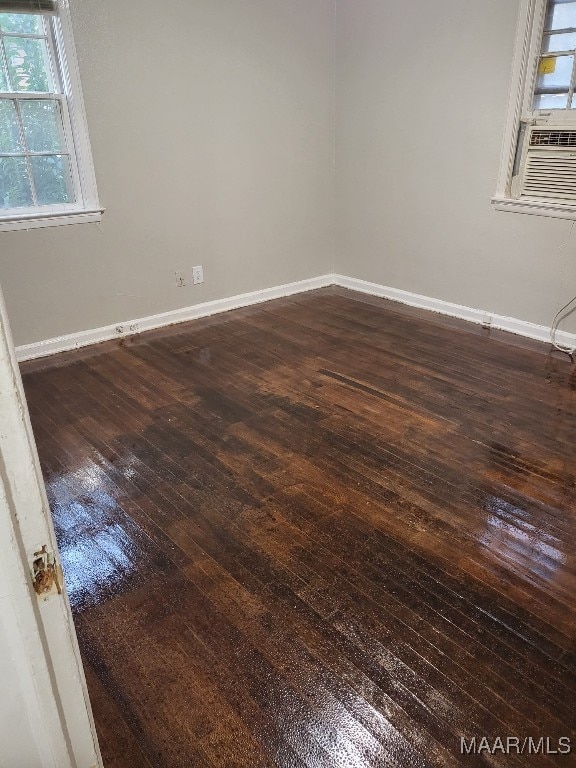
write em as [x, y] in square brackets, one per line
[198, 275]
[180, 279]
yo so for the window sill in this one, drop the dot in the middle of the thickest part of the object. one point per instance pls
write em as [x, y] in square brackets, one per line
[535, 207]
[31, 221]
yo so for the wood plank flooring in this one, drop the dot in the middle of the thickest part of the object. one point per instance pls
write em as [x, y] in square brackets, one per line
[325, 532]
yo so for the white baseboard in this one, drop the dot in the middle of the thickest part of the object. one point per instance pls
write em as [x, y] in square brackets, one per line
[478, 316]
[132, 327]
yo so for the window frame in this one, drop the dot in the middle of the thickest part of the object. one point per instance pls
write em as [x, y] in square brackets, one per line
[86, 208]
[527, 53]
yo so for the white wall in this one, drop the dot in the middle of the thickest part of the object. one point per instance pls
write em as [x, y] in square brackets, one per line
[422, 91]
[212, 129]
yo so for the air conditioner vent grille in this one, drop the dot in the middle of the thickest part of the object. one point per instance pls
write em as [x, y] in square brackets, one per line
[550, 175]
[549, 138]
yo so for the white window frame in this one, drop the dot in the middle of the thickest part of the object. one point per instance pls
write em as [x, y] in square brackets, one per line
[86, 209]
[524, 71]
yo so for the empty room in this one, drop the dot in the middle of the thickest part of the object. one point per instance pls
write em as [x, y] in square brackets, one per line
[287, 383]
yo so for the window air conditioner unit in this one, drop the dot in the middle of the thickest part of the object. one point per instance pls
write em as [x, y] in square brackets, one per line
[548, 165]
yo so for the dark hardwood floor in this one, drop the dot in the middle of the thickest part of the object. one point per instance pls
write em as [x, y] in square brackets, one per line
[325, 532]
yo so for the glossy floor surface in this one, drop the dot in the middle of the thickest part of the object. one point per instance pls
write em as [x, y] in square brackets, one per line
[325, 532]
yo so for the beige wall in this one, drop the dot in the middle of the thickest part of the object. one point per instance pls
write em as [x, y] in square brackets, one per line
[212, 130]
[212, 124]
[422, 91]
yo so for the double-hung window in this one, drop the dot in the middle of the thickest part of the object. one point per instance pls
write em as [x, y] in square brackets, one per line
[46, 171]
[538, 172]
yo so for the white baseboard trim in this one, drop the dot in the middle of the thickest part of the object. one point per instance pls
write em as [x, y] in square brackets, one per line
[131, 327]
[478, 316]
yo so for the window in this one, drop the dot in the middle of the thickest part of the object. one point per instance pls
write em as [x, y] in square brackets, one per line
[46, 172]
[538, 173]
[555, 72]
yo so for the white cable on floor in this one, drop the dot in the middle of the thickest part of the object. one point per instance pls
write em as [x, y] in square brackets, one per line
[567, 350]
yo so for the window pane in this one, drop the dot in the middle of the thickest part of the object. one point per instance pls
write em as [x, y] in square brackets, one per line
[554, 72]
[561, 15]
[551, 101]
[22, 23]
[15, 189]
[9, 129]
[52, 179]
[562, 42]
[42, 125]
[28, 64]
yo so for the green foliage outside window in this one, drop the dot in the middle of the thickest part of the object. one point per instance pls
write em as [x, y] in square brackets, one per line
[29, 126]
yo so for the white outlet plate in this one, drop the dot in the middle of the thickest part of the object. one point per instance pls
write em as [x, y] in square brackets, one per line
[198, 275]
